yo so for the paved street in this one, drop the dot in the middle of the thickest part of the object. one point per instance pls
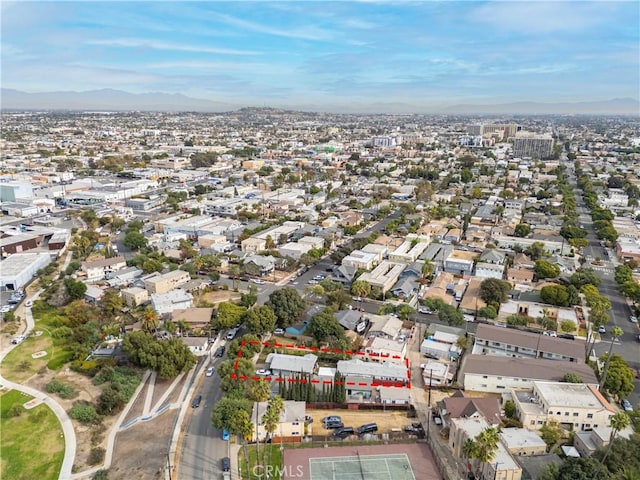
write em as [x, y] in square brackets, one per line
[202, 446]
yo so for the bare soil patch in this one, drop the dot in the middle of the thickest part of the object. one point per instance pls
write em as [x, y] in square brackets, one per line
[140, 451]
[386, 420]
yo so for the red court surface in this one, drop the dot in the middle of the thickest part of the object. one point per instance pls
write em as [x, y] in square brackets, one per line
[296, 462]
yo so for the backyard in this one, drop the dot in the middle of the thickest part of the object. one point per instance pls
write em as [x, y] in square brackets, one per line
[32, 443]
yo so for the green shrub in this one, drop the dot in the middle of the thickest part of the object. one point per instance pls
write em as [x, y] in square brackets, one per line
[61, 389]
[96, 456]
[86, 367]
[104, 375]
[15, 411]
[126, 380]
[61, 332]
[101, 475]
[84, 412]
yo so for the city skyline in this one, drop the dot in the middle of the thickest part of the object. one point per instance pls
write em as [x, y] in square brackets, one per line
[340, 54]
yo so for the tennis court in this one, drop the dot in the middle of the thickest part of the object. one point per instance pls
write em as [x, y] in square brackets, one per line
[362, 467]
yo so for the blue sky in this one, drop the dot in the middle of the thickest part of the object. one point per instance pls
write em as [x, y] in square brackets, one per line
[329, 53]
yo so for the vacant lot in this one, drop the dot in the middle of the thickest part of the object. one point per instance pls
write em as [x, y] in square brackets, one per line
[35, 446]
[386, 420]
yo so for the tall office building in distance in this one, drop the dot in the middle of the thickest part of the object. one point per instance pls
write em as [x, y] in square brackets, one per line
[532, 145]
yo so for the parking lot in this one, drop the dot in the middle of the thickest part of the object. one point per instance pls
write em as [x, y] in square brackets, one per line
[387, 421]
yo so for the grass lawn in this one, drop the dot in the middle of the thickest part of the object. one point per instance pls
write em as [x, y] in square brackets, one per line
[31, 445]
[257, 472]
[19, 365]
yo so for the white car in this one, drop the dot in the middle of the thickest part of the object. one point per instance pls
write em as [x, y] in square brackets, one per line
[550, 334]
[278, 331]
[263, 372]
[5, 309]
[210, 371]
[257, 281]
[18, 339]
[601, 329]
[425, 310]
[633, 319]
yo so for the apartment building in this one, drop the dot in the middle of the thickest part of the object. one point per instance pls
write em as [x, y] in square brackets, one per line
[575, 406]
[410, 249]
[134, 296]
[489, 270]
[532, 145]
[360, 259]
[384, 276]
[163, 283]
[499, 374]
[100, 269]
[493, 340]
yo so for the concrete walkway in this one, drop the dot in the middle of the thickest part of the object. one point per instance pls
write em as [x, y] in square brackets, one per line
[56, 408]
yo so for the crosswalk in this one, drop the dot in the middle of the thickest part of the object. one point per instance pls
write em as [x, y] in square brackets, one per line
[604, 270]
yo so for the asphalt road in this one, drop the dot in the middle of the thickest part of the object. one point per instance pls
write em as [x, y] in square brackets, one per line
[627, 346]
[202, 446]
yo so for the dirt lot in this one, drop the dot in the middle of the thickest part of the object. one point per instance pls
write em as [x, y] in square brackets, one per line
[386, 420]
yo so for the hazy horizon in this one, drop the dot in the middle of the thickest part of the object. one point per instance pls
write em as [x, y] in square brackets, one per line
[344, 54]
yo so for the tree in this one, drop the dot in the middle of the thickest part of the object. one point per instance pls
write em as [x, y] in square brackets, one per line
[545, 269]
[488, 312]
[522, 230]
[228, 315]
[271, 419]
[572, 378]
[550, 433]
[249, 299]
[324, 327]
[222, 413]
[259, 391]
[135, 240]
[585, 276]
[287, 304]
[555, 295]
[494, 291]
[75, 289]
[536, 251]
[360, 288]
[619, 421]
[110, 401]
[509, 409]
[616, 332]
[260, 319]
[149, 320]
[449, 314]
[167, 357]
[619, 379]
[111, 303]
[482, 447]
[623, 274]
[586, 468]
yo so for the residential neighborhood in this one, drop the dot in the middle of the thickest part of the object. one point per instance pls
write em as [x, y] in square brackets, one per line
[188, 286]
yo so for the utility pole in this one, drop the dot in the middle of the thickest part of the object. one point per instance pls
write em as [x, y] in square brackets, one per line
[169, 465]
[429, 409]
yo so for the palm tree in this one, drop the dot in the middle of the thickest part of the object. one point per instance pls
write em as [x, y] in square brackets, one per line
[234, 271]
[619, 421]
[616, 332]
[482, 448]
[258, 392]
[149, 320]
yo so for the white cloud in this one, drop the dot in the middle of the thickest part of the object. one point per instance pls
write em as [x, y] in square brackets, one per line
[159, 45]
[308, 33]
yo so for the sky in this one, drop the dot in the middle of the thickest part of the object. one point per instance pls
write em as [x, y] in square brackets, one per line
[327, 53]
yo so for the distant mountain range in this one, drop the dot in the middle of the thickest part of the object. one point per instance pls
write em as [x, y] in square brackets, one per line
[117, 100]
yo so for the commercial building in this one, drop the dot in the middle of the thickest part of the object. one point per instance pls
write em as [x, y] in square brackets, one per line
[19, 269]
[576, 406]
[532, 146]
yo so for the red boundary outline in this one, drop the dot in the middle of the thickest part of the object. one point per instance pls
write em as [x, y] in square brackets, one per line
[291, 346]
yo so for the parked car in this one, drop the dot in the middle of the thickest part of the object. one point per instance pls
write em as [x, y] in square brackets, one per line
[626, 405]
[220, 352]
[257, 281]
[278, 331]
[18, 339]
[343, 432]
[367, 428]
[263, 372]
[601, 329]
[226, 464]
[550, 334]
[333, 425]
[633, 319]
[332, 418]
[210, 371]
[196, 401]
[425, 310]
[356, 299]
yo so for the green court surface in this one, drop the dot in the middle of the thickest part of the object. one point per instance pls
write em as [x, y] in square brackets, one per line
[362, 467]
